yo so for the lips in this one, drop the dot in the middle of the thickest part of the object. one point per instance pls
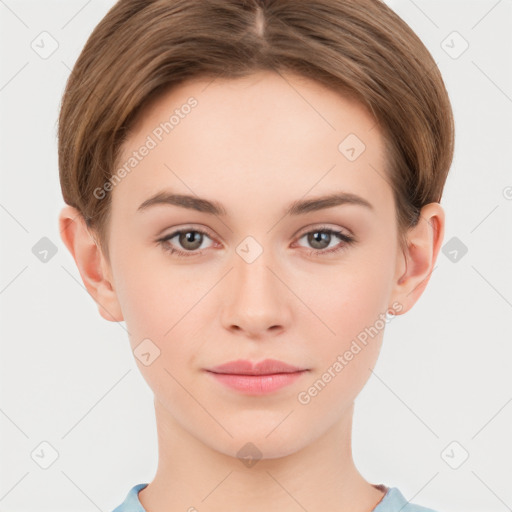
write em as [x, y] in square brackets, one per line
[266, 367]
[250, 378]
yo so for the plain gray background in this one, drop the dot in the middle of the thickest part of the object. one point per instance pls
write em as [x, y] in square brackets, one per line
[442, 387]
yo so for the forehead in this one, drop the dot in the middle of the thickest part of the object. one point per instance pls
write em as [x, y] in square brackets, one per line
[268, 135]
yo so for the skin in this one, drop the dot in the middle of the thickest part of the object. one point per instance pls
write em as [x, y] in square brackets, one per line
[255, 145]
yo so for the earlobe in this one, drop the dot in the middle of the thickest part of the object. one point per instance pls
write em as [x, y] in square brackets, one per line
[423, 245]
[90, 262]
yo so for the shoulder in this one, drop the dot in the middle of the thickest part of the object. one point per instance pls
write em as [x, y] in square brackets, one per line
[394, 500]
[131, 503]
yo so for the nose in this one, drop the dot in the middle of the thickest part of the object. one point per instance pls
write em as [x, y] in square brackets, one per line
[256, 299]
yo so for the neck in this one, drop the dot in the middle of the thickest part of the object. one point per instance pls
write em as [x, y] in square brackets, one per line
[193, 476]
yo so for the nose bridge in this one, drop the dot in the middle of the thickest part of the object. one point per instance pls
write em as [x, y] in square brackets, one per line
[252, 275]
[256, 297]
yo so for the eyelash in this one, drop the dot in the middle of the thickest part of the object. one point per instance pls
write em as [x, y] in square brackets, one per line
[348, 240]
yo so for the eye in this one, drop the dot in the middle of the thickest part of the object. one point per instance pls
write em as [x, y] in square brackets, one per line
[189, 239]
[322, 237]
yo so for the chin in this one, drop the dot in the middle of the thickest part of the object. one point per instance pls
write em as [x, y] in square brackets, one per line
[255, 445]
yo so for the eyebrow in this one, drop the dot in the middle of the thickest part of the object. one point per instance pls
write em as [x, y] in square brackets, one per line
[299, 207]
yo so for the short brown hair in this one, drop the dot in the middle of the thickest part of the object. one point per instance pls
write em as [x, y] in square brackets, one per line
[360, 48]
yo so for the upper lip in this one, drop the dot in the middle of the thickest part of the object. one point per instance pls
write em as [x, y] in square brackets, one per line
[244, 367]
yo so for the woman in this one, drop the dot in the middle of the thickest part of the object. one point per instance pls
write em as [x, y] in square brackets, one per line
[254, 187]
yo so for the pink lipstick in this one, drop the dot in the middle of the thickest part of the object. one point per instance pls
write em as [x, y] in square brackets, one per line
[256, 378]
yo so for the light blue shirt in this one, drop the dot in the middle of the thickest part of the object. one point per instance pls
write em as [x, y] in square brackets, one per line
[392, 501]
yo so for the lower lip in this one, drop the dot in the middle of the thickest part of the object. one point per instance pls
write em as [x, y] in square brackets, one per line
[257, 384]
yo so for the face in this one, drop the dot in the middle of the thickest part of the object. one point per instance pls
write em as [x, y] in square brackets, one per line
[262, 272]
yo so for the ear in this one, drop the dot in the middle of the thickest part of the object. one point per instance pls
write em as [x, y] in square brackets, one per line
[92, 265]
[416, 263]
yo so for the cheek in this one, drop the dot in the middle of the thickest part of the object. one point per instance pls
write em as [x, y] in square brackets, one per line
[352, 309]
[162, 304]
[151, 299]
[351, 305]
[350, 300]
[158, 309]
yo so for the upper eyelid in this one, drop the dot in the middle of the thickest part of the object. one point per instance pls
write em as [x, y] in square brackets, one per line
[301, 232]
[323, 227]
[186, 229]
